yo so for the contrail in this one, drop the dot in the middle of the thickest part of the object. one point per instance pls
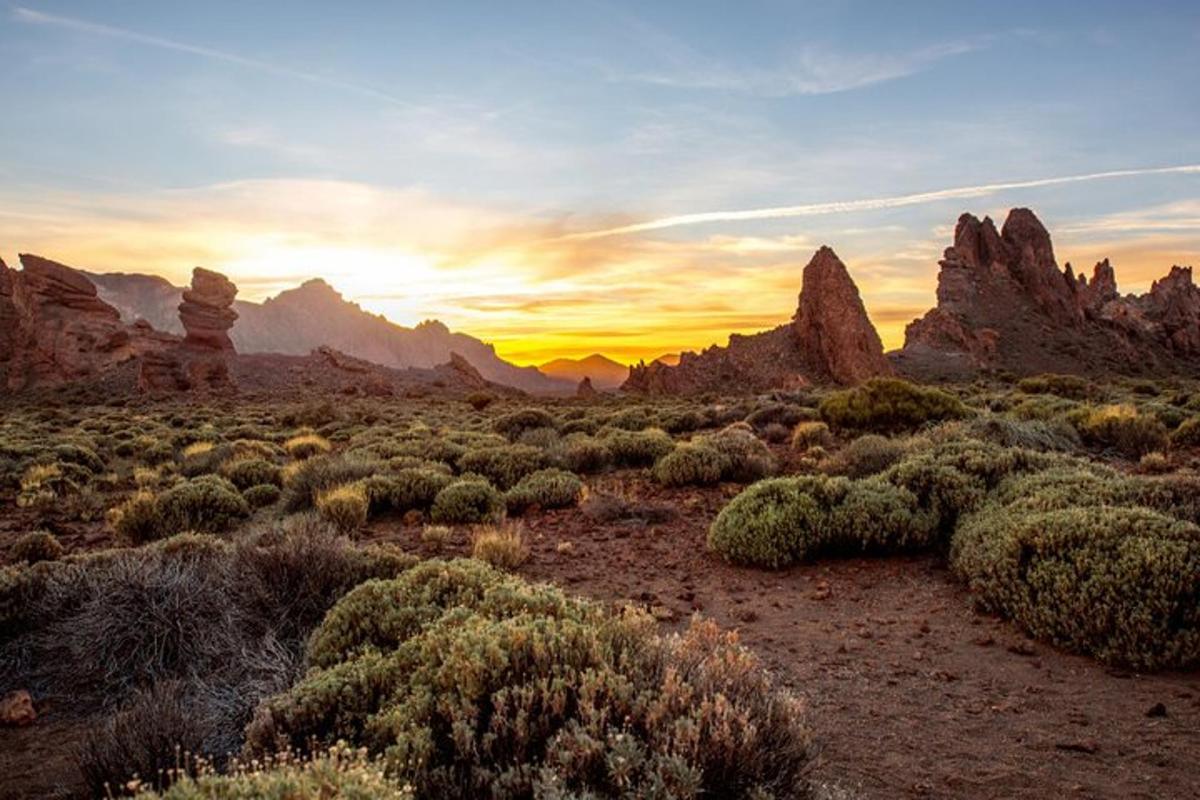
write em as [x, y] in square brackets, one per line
[97, 29]
[870, 204]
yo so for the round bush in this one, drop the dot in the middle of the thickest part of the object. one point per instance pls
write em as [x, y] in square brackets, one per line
[636, 448]
[811, 434]
[468, 501]
[246, 472]
[1187, 434]
[690, 465]
[36, 546]
[208, 504]
[513, 424]
[138, 520]
[769, 524]
[747, 458]
[583, 454]
[867, 455]
[1124, 429]
[1117, 583]
[263, 495]
[889, 404]
[405, 489]
[345, 507]
[506, 465]
[547, 488]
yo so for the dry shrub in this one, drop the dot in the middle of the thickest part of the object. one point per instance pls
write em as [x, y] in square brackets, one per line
[345, 507]
[501, 546]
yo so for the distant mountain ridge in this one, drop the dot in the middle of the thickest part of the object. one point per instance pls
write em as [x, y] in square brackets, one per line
[314, 314]
[605, 374]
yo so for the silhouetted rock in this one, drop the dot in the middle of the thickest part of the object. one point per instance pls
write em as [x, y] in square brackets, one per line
[585, 389]
[830, 340]
[1003, 304]
[206, 311]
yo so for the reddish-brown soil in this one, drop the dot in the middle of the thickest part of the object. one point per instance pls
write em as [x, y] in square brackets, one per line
[912, 693]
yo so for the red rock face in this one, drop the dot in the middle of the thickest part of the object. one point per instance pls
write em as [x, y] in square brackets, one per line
[206, 311]
[832, 327]
[830, 340]
[1004, 304]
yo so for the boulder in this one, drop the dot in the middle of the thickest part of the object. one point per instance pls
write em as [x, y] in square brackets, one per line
[206, 311]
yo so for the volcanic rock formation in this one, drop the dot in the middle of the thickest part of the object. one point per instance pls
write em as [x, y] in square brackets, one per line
[830, 340]
[206, 311]
[1004, 304]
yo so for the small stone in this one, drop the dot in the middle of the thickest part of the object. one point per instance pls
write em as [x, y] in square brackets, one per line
[16, 709]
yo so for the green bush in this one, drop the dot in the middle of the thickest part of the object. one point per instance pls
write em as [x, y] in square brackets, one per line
[636, 448]
[475, 683]
[747, 458]
[246, 472]
[1123, 428]
[262, 495]
[811, 434]
[1187, 434]
[505, 465]
[344, 507]
[513, 424]
[405, 489]
[480, 400]
[1069, 386]
[1117, 583]
[1046, 435]
[138, 520]
[303, 480]
[468, 501]
[783, 414]
[547, 488]
[889, 405]
[340, 772]
[691, 465]
[208, 504]
[867, 455]
[778, 522]
[583, 454]
[36, 546]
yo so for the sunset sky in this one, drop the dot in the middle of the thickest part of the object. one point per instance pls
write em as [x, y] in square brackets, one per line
[622, 177]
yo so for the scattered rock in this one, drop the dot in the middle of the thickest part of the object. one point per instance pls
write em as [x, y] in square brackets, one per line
[1156, 710]
[16, 709]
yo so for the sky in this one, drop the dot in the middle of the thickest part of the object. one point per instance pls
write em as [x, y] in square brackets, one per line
[628, 178]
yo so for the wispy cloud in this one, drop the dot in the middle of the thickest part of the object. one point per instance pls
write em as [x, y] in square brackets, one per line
[813, 71]
[33, 17]
[876, 203]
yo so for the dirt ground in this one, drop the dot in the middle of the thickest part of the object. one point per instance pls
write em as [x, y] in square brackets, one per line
[912, 694]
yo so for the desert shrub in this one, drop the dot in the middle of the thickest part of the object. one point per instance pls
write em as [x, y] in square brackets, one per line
[541, 438]
[505, 465]
[307, 445]
[811, 434]
[1116, 583]
[201, 458]
[1187, 434]
[888, 405]
[547, 488]
[1174, 495]
[513, 424]
[778, 522]
[480, 400]
[691, 465]
[262, 495]
[147, 741]
[776, 433]
[583, 454]
[36, 546]
[746, 458]
[677, 420]
[636, 448]
[138, 519]
[866, 455]
[303, 480]
[468, 501]
[437, 535]
[1154, 464]
[345, 507]
[1123, 428]
[1047, 435]
[209, 503]
[406, 489]
[501, 546]
[630, 419]
[777, 414]
[339, 772]
[246, 472]
[68, 453]
[1070, 386]
[582, 701]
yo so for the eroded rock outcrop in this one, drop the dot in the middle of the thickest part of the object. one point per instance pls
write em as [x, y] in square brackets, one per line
[830, 340]
[1005, 305]
[207, 310]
